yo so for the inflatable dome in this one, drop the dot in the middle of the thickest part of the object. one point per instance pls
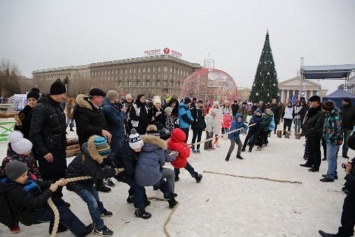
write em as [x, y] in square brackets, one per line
[209, 84]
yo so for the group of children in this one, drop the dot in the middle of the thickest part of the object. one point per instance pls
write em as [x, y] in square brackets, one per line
[25, 195]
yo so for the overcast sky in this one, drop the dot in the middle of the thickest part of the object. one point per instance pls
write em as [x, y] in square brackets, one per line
[45, 34]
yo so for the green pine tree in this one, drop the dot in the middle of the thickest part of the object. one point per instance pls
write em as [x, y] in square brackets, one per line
[265, 86]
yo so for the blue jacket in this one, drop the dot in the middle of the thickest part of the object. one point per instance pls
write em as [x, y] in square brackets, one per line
[185, 117]
[237, 125]
[149, 161]
[115, 123]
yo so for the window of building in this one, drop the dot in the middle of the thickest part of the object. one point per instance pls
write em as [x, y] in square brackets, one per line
[139, 69]
[153, 69]
[148, 69]
[171, 69]
[153, 83]
[125, 71]
[143, 83]
[121, 71]
[164, 83]
[116, 72]
[148, 83]
[165, 69]
[159, 69]
[134, 70]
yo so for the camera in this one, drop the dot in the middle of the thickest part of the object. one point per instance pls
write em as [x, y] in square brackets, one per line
[352, 162]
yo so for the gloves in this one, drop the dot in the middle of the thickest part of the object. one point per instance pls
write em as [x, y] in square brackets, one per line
[118, 170]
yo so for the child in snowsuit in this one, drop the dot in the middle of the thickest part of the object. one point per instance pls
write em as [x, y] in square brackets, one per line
[19, 148]
[226, 122]
[148, 170]
[234, 138]
[177, 143]
[253, 131]
[28, 199]
[89, 162]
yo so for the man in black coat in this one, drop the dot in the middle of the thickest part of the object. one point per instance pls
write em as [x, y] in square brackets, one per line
[90, 120]
[235, 108]
[313, 130]
[348, 122]
[48, 134]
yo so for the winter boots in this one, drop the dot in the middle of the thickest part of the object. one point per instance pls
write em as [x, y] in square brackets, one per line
[243, 148]
[142, 213]
[227, 158]
[239, 157]
[172, 203]
[198, 177]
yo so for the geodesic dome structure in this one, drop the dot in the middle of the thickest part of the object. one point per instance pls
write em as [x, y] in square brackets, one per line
[209, 84]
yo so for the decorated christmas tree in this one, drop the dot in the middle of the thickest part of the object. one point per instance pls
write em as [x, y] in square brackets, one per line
[265, 86]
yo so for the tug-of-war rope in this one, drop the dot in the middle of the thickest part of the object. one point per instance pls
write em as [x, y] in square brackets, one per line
[56, 212]
[253, 177]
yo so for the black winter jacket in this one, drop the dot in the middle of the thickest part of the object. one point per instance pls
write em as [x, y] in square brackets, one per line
[313, 123]
[27, 201]
[48, 134]
[126, 158]
[348, 116]
[88, 119]
[199, 119]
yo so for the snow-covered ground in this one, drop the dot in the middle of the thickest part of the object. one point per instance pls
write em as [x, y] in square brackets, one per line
[223, 205]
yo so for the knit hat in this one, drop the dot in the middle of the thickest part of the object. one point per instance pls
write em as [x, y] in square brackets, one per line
[19, 144]
[168, 110]
[33, 94]
[347, 100]
[98, 148]
[96, 92]
[314, 98]
[153, 130]
[135, 141]
[15, 169]
[156, 100]
[187, 100]
[328, 105]
[112, 95]
[215, 103]
[57, 88]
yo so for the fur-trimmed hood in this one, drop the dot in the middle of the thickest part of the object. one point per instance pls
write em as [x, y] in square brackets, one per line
[89, 148]
[81, 101]
[154, 140]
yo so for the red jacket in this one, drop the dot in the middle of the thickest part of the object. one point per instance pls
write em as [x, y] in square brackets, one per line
[176, 143]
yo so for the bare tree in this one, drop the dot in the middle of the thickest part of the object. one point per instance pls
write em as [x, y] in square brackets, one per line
[8, 79]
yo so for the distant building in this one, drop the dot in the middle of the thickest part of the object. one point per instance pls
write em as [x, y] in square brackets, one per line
[151, 75]
[243, 94]
[295, 87]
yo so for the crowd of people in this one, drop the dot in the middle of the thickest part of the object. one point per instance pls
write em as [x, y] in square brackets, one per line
[131, 140]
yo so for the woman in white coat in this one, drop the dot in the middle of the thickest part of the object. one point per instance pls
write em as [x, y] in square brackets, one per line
[217, 129]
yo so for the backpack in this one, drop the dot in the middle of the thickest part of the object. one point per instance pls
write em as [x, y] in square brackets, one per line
[7, 215]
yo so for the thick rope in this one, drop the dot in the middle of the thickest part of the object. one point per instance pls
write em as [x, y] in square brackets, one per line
[169, 217]
[55, 209]
[254, 177]
[218, 135]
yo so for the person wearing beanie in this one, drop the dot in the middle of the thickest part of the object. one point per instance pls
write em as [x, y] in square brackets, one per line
[90, 120]
[333, 136]
[347, 216]
[89, 162]
[28, 199]
[20, 150]
[185, 117]
[156, 113]
[139, 115]
[253, 130]
[23, 119]
[57, 88]
[48, 135]
[126, 158]
[150, 159]
[313, 129]
[348, 123]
